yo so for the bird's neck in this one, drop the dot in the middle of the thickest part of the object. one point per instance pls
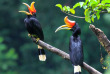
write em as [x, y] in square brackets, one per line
[28, 16]
[75, 35]
[76, 30]
[34, 15]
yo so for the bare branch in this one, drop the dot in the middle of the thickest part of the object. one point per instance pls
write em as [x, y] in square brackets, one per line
[64, 55]
[101, 37]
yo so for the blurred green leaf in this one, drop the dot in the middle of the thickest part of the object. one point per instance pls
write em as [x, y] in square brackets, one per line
[86, 1]
[93, 2]
[1, 39]
[59, 5]
[98, 15]
[11, 54]
[108, 9]
[93, 16]
[81, 4]
[108, 5]
[87, 15]
[65, 8]
[107, 1]
[3, 47]
[4, 66]
[95, 9]
[85, 12]
[98, 1]
[85, 6]
[76, 5]
[72, 11]
[68, 8]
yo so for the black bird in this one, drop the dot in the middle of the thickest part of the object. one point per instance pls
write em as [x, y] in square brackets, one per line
[75, 44]
[34, 28]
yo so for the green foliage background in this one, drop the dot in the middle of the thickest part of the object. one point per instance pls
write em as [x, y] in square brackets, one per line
[18, 54]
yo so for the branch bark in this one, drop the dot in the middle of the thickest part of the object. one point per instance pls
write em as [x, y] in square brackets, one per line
[64, 55]
[101, 37]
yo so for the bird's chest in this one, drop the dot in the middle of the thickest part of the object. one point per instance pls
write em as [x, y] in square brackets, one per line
[75, 44]
[30, 27]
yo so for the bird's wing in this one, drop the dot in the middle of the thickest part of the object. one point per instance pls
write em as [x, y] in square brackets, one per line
[37, 28]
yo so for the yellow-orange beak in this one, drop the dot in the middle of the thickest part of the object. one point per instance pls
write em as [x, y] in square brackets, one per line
[27, 13]
[65, 27]
[68, 26]
[31, 9]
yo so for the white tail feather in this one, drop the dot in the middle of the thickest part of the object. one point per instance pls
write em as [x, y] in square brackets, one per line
[77, 69]
[42, 57]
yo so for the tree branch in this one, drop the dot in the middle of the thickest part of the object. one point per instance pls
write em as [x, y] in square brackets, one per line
[81, 16]
[74, 15]
[101, 37]
[64, 55]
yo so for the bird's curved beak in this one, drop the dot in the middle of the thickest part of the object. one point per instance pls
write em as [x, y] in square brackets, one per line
[68, 26]
[31, 9]
[27, 13]
[63, 27]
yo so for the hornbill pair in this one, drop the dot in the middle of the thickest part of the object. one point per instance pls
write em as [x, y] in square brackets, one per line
[75, 45]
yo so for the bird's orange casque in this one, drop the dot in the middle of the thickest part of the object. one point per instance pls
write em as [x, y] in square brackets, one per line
[68, 22]
[31, 8]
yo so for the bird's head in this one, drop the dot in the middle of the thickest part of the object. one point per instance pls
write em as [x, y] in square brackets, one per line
[69, 24]
[31, 9]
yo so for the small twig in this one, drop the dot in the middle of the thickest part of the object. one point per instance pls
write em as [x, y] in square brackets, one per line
[73, 15]
[81, 16]
[64, 55]
[104, 12]
[101, 37]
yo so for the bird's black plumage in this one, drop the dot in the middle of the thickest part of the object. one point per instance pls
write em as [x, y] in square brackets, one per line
[33, 26]
[75, 47]
[75, 50]
[75, 44]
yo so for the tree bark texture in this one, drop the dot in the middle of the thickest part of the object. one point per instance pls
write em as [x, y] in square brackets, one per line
[101, 37]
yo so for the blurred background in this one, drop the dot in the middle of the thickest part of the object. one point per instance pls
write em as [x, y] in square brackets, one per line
[18, 53]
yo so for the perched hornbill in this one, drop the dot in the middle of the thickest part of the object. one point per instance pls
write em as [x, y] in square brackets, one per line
[75, 45]
[34, 28]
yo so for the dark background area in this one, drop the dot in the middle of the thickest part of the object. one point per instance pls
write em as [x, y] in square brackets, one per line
[18, 53]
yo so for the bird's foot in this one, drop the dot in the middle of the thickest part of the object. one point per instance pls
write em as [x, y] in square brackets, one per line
[37, 39]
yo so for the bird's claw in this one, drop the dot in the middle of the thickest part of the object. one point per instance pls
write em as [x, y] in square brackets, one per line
[37, 39]
[29, 35]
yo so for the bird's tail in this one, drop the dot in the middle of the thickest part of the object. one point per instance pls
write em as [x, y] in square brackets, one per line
[77, 69]
[41, 52]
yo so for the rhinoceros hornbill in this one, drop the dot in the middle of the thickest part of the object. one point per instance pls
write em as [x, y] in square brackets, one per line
[34, 28]
[75, 44]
